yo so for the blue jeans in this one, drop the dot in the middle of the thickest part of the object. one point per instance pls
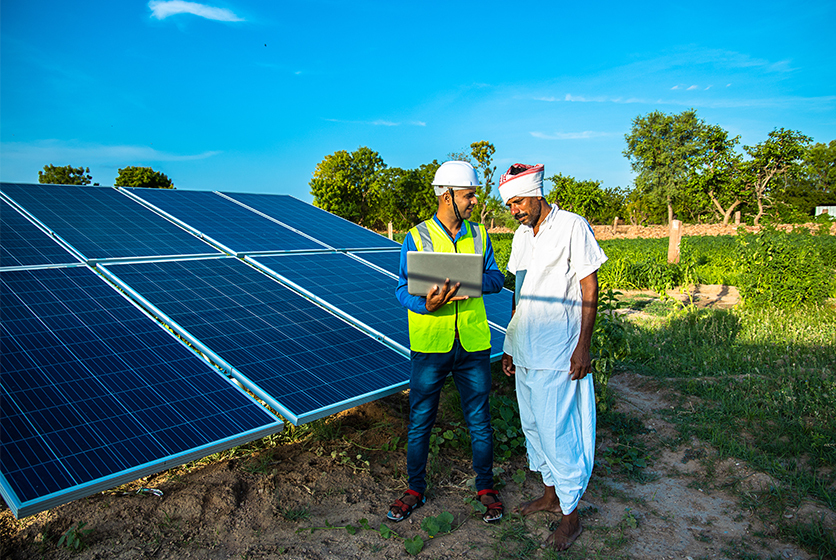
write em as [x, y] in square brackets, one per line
[472, 375]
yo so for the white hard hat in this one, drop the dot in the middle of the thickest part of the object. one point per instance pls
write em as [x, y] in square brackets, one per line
[455, 175]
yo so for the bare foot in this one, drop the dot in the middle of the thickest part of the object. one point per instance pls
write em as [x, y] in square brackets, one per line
[543, 503]
[569, 529]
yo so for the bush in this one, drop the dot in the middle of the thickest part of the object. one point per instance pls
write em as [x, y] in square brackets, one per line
[786, 269]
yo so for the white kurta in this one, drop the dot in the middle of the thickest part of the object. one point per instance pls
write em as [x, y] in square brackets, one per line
[557, 414]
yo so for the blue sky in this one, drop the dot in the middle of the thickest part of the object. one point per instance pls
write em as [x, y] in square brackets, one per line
[250, 96]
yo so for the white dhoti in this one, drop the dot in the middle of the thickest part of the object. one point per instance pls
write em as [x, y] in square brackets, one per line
[558, 419]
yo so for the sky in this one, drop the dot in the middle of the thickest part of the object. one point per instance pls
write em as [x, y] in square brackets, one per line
[246, 96]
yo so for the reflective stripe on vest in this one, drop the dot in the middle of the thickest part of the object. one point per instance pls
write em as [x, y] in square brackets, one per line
[435, 332]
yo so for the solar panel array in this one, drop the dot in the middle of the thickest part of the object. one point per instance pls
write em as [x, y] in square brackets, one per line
[265, 287]
[95, 394]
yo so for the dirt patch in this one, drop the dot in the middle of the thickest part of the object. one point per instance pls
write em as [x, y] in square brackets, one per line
[293, 501]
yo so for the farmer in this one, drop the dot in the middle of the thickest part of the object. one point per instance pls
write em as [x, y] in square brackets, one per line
[449, 334]
[555, 257]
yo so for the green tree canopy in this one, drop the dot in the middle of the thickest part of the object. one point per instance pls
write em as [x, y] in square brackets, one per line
[718, 176]
[66, 175]
[814, 185]
[482, 152]
[780, 154]
[407, 196]
[143, 177]
[664, 151]
[586, 198]
[348, 185]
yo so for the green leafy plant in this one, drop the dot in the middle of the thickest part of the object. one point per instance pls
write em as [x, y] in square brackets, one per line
[609, 345]
[786, 269]
[75, 536]
[509, 439]
[442, 523]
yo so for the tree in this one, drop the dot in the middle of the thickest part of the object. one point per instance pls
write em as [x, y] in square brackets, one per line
[815, 185]
[66, 175]
[407, 196]
[586, 198]
[780, 154]
[718, 174]
[145, 177]
[483, 152]
[663, 150]
[348, 185]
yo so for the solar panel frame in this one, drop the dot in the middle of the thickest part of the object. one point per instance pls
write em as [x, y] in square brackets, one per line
[226, 224]
[100, 223]
[330, 229]
[266, 335]
[78, 400]
[26, 245]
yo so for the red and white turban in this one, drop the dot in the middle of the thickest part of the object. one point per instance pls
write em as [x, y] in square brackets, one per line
[521, 180]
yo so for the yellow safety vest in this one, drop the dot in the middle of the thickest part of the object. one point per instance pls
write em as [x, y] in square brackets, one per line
[435, 332]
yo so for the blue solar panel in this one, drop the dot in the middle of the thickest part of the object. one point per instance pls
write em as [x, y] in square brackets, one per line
[337, 279]
[95, 393]
[300, 359]
[24, 244]
[319, 224]
[497, 306]
[101, 223]
[230, 224]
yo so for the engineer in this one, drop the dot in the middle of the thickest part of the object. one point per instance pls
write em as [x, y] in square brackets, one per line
[449, 334]
[555, 258]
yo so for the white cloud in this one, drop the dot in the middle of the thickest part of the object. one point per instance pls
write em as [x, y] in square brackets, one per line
[164, 9]
[56, 150]
[379, 122]
[582, 99]
[692, 88]
[570, 135]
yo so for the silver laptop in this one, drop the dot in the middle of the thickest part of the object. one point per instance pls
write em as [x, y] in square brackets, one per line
[426, 269]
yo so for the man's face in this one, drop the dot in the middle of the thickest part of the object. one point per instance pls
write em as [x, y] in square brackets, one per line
[525, 209]
[465, 200]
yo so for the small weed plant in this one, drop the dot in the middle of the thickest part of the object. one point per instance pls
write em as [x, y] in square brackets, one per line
[74, 537]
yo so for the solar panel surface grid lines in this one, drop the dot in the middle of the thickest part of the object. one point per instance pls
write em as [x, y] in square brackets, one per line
[349, 285]
[22, 243]
[102, 223]
[302, 356]
[226, 222]
[95, 392]
[332, 230]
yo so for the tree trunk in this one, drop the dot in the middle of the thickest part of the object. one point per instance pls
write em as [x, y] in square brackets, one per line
[726, 213]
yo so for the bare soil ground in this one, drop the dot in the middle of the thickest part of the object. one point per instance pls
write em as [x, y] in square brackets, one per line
[687, 503]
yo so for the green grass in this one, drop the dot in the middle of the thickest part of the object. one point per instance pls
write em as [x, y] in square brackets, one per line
[763, 386]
